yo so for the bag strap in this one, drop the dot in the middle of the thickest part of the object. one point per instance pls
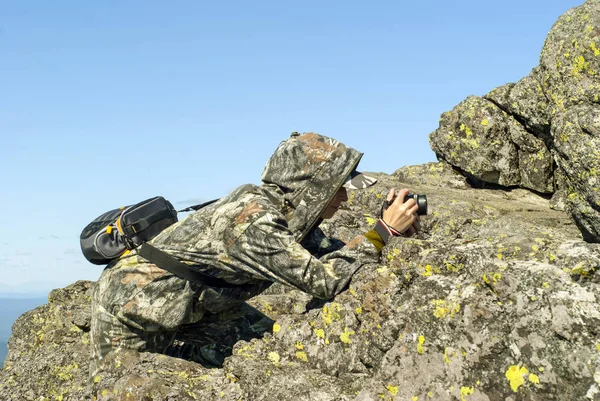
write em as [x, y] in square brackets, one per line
[145, 222]
[197, 207]
[178, 268]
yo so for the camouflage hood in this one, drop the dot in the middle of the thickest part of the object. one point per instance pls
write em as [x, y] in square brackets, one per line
[309, 169]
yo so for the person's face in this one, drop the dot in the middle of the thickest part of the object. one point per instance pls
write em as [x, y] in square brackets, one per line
[340, 197]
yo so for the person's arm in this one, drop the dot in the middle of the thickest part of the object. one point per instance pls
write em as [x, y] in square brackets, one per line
[400, 214]
[269, 250]
[376, 239]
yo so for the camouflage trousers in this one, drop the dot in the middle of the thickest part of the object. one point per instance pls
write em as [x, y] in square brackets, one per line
[207, 342]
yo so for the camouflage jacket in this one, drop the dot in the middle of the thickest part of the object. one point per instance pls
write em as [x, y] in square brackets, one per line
[254, 236]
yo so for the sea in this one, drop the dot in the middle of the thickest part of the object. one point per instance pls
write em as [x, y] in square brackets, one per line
[10, 309]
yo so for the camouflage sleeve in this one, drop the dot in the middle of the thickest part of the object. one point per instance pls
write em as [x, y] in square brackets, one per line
[268, 247]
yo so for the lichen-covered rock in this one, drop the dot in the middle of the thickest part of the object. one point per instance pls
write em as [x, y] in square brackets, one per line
[495, 299]
[129, 375]
[509, 136]
[475, 137]
[49, 349]
[436, 174]
[570, 58]
[577, 148]
[527, 102]
[490, 145]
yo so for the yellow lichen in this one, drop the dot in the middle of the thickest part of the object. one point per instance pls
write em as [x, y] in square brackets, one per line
[274, 357]
[330, 313]
[392, 389]
[319, 333]
[276, 328]
[420, 347]
[579, 65]
[534, 378]
[267, 307]
[515, 374]
[445, 307]
[465, 392]
[466, 130]
[244, 351]
[448, 355]
[345, 336]
[302, 356]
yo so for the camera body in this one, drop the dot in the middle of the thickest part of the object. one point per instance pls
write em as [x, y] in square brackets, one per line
[420, 200]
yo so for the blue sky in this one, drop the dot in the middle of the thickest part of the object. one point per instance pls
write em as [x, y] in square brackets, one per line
[107, 103]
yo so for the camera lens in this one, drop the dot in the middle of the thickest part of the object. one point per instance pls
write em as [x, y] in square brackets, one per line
[421, 201]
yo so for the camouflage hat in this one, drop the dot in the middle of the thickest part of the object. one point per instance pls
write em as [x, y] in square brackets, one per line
[357, 180]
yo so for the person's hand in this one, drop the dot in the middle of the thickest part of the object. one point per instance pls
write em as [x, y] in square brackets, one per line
[414, 228]
[402, 216]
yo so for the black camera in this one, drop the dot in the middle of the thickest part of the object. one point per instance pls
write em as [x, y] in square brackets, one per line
[420, 200]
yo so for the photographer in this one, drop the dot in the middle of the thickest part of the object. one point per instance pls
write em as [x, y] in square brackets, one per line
[248, 239]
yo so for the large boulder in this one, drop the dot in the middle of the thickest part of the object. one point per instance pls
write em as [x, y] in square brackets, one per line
[495, 299]
[516, 134]
[577, 147]
[487, 144]
[49, 349]
[570, 58]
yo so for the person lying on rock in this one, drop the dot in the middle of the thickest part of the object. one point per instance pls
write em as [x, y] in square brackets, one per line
[253, 237]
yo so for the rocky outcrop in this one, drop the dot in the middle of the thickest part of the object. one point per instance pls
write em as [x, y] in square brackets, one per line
[49, 349]
[495, 299]
[577, 150]
[541, 133]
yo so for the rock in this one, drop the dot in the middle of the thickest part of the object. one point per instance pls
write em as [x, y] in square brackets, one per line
[48, 352]
[476, 138]
[527, 102]
[524, 134]
[570, 58]
[496, 298]
[577, 151]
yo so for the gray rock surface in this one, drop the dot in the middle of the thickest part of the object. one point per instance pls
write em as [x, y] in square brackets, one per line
[540, 133]
[496, 299]
[577, 149]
